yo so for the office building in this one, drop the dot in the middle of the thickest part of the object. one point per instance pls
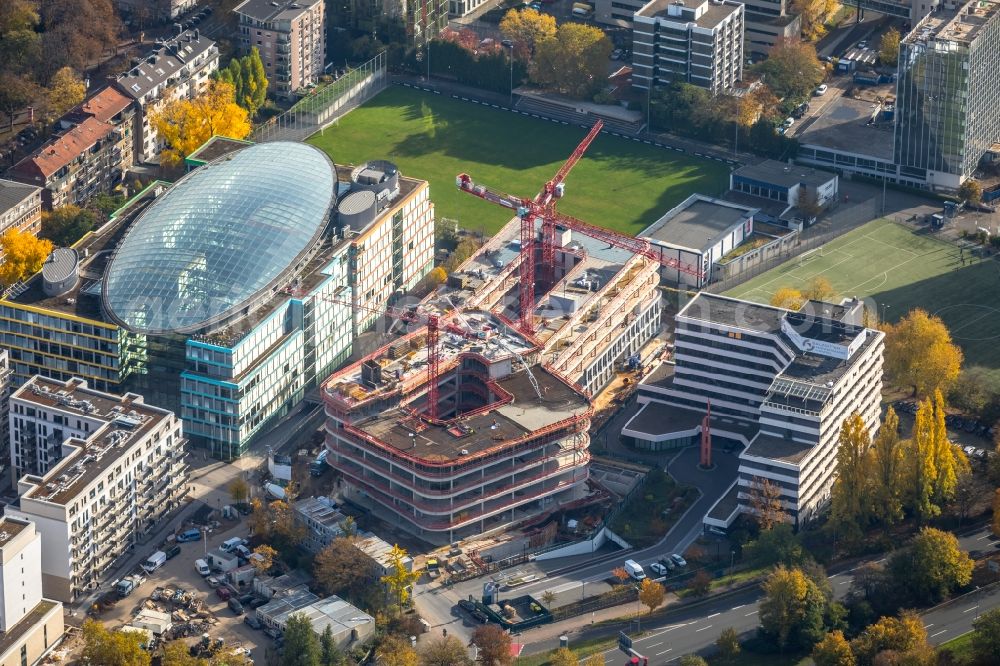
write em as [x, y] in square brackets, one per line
[946, 114]
[510, 437]
[768, 22]
[690, 41]
[780, 385]
[20, 207]
[260, 297]
[291, 38]
[30, 625]
[177, 68]
[421, 19]
[140, 13]
[118, 471]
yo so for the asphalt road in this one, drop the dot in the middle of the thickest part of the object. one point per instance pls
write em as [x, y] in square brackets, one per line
[688, 630]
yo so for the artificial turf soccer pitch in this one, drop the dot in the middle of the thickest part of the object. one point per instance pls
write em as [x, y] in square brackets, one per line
[620, 184]
[900, 269]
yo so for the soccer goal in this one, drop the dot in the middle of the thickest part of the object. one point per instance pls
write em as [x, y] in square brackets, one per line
[810, 254]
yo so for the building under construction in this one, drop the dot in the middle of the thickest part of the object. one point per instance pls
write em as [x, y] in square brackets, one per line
[477, 419]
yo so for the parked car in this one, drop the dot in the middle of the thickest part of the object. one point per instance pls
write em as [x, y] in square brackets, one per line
[616, 54]
[788, 122]
[667, 562]
[272, 632]
[678, 560]
[223, 593]
[480, 616]
[821, 89]
[201, 566]
[863, 44]
[658, 569]
[252, 622]
[467, 605]
[193, 534]
[235, 606]
[173, 551]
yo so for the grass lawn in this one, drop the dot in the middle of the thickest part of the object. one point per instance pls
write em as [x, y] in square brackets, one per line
[960, 649]
[619, 184]
[581, 649]
[641, 523]
[900, 269]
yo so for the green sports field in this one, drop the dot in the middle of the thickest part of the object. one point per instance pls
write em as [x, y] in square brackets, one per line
[620, 184]
[900, 269]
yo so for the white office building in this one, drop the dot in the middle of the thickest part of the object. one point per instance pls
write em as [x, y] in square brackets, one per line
[119, 469]
[692, 41]
[780, 384]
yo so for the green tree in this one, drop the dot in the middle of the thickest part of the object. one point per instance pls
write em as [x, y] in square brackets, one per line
[106, 204]
[833, 650]
[67, 224]
[888, 52]
[919, 352]
[16, 92]
[301, 644]
[574, 62]
[931, 566]
[778, 545]
[23, 255]
[446, 651]
[401, 576]
[792, 69]
[887, 471]
[493, 644]
[112, 648]
[395, 651]
[791, 611]
[986, 637]
[851, 499]
[728, 644]
[971, 191]
[692, 660]
[256, 93]
[651, 594]
[329, 653]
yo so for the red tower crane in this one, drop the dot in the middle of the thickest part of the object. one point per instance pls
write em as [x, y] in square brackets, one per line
[434, 323]
[543, 207]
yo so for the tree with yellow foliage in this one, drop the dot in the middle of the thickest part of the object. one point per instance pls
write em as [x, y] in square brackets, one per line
[787, 297]
[886, 465]
[651, 594]
[65, 91]
[905, 636]
[919, 352]
[815, 13]
[944, 456]
[574, 61]
[819, 289]
[400, 579]
[527, 28]
[923, 472]
[23, 255]
[185, 124]
[833, 650]
[851, 496]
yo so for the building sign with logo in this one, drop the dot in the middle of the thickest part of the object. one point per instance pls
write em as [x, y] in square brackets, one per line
[822, 347]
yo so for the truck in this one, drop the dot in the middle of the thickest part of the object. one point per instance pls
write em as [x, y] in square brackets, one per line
[154, 562]
[125, 586]
[634, 570]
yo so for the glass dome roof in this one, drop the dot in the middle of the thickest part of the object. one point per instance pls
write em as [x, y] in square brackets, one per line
[221, 235]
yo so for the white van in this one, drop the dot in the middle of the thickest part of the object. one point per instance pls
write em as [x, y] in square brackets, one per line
[155, 561]
[634, 570]
[230, 544]
[580, 12]
[201, 566]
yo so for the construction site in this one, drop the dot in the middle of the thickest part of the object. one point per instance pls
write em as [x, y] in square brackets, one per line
[476, 419]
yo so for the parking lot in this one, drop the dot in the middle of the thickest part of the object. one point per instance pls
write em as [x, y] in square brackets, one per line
[179, 572]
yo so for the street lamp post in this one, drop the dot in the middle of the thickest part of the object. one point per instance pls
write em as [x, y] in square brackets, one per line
[510, 57]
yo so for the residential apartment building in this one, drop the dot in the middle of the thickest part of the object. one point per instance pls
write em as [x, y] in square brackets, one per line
[75, 164]
[146, 12]
[177, 68]
[120, 470]
[109, 105]
[946, 115]
[20, 207]
[421, 19]
[693, 41]
[766, 23]
[291, 38]
[779, 383]
[30, 625]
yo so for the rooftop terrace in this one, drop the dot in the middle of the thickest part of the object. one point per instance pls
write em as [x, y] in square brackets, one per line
[962, 26]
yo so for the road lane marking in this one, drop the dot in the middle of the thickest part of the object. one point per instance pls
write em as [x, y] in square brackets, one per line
[749, 614]
[703, 628]
[737, 607]
[843, 582]
[938, 633]
[928, 626]
[712, 615]
[659, 633]
[664, 652]
[985, 536]
[971, 609]
[655, 644]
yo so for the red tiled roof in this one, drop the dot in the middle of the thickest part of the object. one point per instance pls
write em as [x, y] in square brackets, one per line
[63, 149]
[106, 104]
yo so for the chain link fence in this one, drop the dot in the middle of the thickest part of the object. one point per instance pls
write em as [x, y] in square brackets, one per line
[327, 105]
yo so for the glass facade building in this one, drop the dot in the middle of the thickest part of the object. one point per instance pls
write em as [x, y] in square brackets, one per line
[947, 111]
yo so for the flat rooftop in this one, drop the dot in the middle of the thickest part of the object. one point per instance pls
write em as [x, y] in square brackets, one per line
[697, 223]
[467, 436]
[847, 125]
[9, 528]
[272, 10]
[658, 419]
[777, 448]
[733, 312]
[712, 15]
[726, 505]
[963, 25]
[9, 638]
[783, 174]
[126, 421]
[214, 148]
